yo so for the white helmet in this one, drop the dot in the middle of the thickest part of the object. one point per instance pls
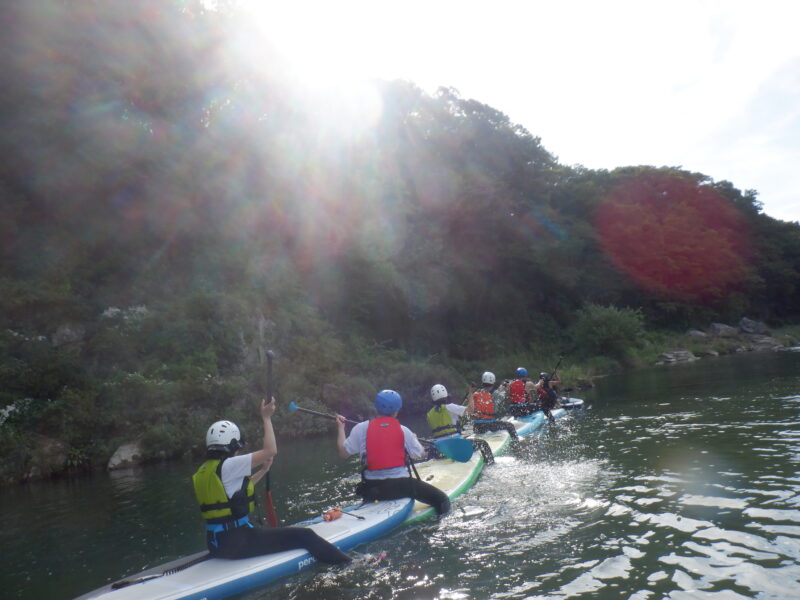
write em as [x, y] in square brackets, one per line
[224, 435]
[488, 377]
[438, 392]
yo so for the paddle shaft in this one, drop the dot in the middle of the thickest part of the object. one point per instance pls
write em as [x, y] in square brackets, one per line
[269, 507]
[126, 582]
[333, 417]
[558, 364]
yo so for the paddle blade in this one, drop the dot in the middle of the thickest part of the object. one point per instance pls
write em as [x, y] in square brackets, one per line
[457, 449]
[292, 407]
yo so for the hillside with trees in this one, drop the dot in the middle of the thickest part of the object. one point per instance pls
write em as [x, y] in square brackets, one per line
[169, 214]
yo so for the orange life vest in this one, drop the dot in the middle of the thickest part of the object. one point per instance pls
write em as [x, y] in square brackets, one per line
[516, 392]
[385, 444]
[484, 405]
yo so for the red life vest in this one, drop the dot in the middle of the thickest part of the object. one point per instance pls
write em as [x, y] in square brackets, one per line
[484, 405]
[541, 391]
[385, 444]
[516, 392]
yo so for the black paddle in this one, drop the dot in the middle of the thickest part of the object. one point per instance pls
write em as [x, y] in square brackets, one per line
[269, 507]
[126, 582]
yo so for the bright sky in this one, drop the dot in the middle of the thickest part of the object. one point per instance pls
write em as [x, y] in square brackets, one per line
[708, 85]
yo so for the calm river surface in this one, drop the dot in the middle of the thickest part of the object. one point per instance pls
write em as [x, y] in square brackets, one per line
[679, 482]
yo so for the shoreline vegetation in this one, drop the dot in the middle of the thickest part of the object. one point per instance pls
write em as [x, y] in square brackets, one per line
[45, 456]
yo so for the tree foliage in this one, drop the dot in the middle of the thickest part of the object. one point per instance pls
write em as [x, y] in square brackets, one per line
[183, 210]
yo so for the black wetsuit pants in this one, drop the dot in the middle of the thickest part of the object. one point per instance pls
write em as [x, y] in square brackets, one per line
[488, 426]
[522, 410]
[404, 487]
[244, 542]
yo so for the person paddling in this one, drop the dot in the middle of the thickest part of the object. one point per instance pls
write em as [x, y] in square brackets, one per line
[519, 395]
[224, 487]
[443, 419]
[386, 448]
[485, 400]
[444, 416]
[548, 396]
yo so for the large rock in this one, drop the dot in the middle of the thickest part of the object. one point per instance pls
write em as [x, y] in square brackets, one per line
[674, 356]
[707, 352]
[696, 333]
[763, 342]
[755, 327]
[722, 330]
[128, 455]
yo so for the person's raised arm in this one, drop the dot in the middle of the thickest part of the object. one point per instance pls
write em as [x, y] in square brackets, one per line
[340, 436]
[470, 402]
[266, 455]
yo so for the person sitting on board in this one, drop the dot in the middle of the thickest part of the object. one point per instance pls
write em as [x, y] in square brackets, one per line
[224, 487]
[484, 400]
[444, 417]
[520, 402]
[548, 396]
[386, 448]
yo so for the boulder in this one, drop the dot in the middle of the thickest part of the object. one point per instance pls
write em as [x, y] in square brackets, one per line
[674, 356]
[763, 342]
[696, 333]
[754, 327]
[708, 352]
[126, 456]
[722, 330]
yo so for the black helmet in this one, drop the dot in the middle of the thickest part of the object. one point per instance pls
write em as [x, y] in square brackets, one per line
[543, 376]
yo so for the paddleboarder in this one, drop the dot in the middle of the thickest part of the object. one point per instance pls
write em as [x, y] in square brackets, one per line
[224, 487]
[548, 396]
[387, 449]
[443, 418]
[520, 395]
[485, 401]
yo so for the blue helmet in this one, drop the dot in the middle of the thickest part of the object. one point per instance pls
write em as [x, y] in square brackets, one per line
[522, 372]
[387, 402]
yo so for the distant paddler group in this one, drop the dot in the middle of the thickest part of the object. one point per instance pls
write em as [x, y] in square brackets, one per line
[393, 489]
[224, 483]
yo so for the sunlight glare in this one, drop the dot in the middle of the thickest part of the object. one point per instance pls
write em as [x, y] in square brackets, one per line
[323, 57]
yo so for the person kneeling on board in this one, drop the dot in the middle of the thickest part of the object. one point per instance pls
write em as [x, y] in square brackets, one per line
[224, 487]
[520, 401]
[386, 448]
[548, 396]
[443, 420]
[484, 402]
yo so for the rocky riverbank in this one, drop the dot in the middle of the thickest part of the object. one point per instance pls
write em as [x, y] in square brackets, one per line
[720, 338]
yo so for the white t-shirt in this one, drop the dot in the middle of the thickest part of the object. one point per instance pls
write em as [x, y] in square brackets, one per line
[356, 443]
[234, 470]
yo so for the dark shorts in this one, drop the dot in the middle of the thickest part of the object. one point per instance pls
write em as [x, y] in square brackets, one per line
[404, 487]
[245, 542]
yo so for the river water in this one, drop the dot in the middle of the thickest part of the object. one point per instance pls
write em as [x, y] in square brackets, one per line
[678, 482]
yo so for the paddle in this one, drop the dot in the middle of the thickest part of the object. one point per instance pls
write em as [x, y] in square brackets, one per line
[269, 507]
[457, 449]
[558, 364]
[126, 582]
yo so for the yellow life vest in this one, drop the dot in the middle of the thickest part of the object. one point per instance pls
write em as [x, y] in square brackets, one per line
[441, 421]
[215, 506]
